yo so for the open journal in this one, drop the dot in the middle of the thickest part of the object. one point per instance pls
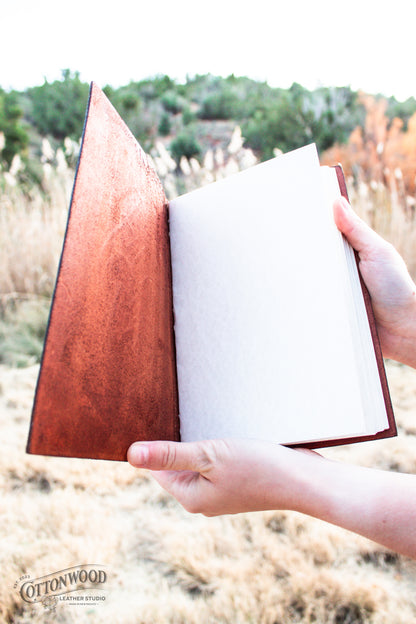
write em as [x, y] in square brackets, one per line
[236, 310]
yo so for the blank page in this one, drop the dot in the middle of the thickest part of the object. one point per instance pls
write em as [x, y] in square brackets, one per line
[370, 385]
[263, 339]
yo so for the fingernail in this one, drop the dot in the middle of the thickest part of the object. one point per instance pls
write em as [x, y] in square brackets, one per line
[138, 454]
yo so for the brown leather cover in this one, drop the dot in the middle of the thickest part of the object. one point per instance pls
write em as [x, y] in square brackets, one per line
[108, 372]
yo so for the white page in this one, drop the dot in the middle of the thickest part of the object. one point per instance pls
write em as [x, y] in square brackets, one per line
[256, 289]
[370, 384]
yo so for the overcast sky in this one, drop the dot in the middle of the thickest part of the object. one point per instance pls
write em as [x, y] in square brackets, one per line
[361, 43]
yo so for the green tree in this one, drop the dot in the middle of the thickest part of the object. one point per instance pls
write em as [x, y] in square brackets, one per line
[298, 117]
[12, 127]
[285, 125]
[58, 108]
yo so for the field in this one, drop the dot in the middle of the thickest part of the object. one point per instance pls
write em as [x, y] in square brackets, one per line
[162, 564]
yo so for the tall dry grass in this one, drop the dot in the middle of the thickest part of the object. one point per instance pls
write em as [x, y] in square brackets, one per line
[379, 161]
[32, 225]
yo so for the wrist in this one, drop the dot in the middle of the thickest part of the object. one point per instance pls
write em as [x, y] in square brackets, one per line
[302, 476]
[400, 344]
[325, 489]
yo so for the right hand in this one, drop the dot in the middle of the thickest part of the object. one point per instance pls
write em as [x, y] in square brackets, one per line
[392, 290]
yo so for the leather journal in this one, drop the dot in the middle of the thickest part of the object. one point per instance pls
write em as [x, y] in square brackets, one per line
[169, 314]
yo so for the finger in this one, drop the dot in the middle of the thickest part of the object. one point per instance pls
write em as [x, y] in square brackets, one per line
[166, 455]
[360, 236]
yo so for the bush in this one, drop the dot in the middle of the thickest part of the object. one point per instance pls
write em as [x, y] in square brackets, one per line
[58, 108]
[188, 116]
[22, 332]
[172, 102]
[224, 104]
[164, 125]
[298, 117]
[185, 144]
[402, 110]
[15, 134]
[285, 126]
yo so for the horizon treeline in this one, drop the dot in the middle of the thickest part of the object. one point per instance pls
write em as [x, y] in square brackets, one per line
[162, 107]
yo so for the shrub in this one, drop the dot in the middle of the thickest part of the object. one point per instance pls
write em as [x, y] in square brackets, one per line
[58, 108]
[11, 126]
[187, 116]
[402, 110]
[224, 104]
[185, 144]
[298, 117]
[172, 102]
[164, 125]
[22, 331]
[285, 126]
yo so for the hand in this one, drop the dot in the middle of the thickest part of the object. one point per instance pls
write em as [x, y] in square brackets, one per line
[223, 476]
[392, 291]
[230, 476]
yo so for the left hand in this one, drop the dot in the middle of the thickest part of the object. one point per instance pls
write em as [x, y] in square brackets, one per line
[216, 477]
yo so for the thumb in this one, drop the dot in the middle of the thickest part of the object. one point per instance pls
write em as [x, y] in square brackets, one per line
[360, 236]
[166, 455]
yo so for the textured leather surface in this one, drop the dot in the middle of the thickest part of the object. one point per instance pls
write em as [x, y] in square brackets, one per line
[108, 374]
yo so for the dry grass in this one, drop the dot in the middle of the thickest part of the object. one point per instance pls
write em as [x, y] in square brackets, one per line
[32, 226]
[167, 566]
[379, 208]
[379, 161]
